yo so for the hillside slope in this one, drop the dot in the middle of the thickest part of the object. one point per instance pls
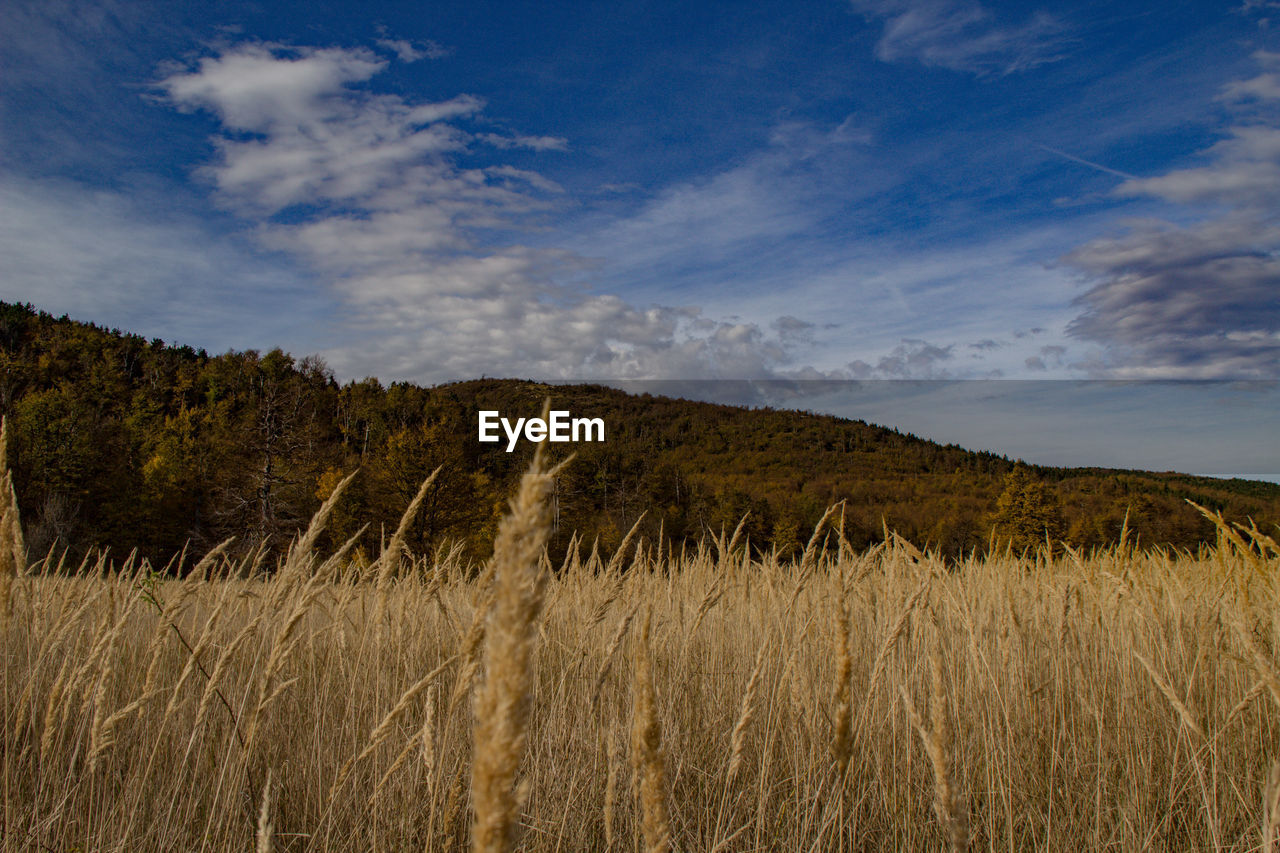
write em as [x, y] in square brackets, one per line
[129, 443]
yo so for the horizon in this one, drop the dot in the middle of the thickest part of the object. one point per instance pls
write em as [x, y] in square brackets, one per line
[872, 190]
[1091, 423]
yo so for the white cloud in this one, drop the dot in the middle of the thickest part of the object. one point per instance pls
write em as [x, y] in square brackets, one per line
[1264, 87]
[1243, 172]
[367, 189]
[962, 35]
[300, 135]
[753, 239]
[258, 87]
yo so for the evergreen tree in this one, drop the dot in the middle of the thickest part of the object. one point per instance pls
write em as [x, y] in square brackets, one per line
[1026, 511]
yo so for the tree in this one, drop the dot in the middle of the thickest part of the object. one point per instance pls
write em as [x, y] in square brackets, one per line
[277, 431]
[449, 508]
[1026, 511]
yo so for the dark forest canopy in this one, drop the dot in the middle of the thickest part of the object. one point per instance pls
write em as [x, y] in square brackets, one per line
[122, 442]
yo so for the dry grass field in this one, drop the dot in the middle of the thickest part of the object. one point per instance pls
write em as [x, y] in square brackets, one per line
[709, 700]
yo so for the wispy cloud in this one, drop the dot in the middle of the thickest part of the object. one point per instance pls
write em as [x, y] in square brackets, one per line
[1260, 10]
[1263, 87]
[755, 239]
[1194, 300]
[963, 35]
[533, 143]
[721, 231]
[369, 189]
[1243, 173]
[412, 51]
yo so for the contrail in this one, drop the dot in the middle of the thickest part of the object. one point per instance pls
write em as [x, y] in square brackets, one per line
[1089, 163]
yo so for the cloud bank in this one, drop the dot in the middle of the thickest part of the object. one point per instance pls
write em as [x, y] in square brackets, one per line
[1197, 300]
[407, 210]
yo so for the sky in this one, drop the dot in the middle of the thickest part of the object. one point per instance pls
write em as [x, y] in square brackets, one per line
[834, 191]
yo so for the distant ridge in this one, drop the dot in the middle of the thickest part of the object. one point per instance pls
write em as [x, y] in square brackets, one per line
[1261, 478]
[129, 443]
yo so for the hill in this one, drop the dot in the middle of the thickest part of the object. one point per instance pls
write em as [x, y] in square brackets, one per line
[129, 443]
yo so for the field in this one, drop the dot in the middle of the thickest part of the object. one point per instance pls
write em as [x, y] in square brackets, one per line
[708, 699]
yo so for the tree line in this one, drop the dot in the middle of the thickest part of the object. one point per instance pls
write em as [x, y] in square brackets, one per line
[128, 443]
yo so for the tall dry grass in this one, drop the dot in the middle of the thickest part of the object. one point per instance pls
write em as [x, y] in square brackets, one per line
[1125, 699]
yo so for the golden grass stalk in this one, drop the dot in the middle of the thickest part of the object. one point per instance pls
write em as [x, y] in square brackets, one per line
[648, 764]
[738, 739]
[939, 743]
[8, 563]
[1262, 663]
[473, 642]
[4, 443]
[895, 634]
[454, 801]
[389, 562]
[428, 732]
[281, 646]
[13, 552]
[724, 844]
[97, 742]
[299, 558]
[504, 701]
[615, 562]
[54, 702]
[709, 600]
[106, 732]
[807, 558]
[219, 671]
[614, 643]
[265, 835]
[424, 742]
[842, 733]
[193, 660]
[1258, 688]
[23, 707]
[602, 609]
[104, 660]
[402, 758]
[1184, 713]
[1271, 811]
[613, 756]
[384, 729]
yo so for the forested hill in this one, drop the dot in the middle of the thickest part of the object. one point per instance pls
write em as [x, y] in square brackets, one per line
[123, 442]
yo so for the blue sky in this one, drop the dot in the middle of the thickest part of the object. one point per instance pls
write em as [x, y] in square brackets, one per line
[847, 190]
